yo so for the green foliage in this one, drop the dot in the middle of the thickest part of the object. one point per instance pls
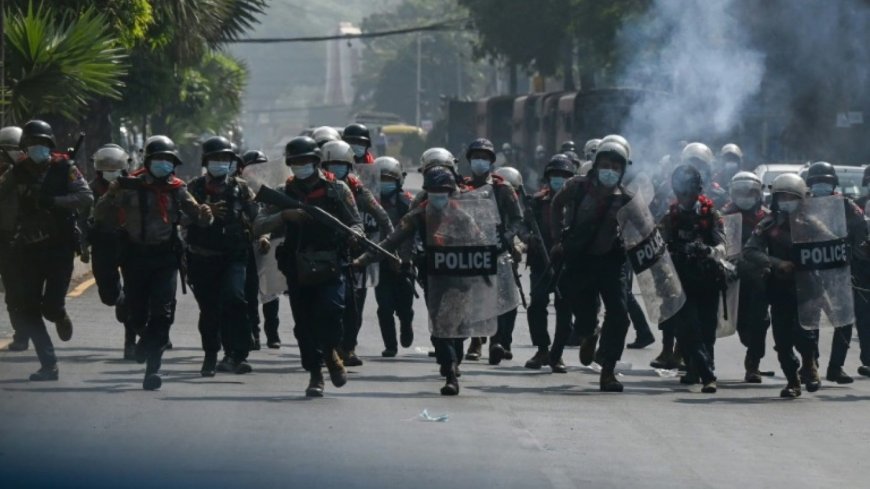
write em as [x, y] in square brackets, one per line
[56, 63]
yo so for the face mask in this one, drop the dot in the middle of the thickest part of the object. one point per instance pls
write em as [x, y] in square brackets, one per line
[821, 189]
[788, 206]
[338, 169]
[608, 178]
[39, 153]
[556, 183]
[111, 176]
[161, 168]
[303, 172]
[218, 169]
[480, 166]
[745, 203]
[388, 188]
[439, 201]
[358, 150]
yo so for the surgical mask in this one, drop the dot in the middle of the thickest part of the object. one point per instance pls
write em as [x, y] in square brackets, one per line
[358, 150]
[821, 189]
[480, 166]
[218, 169]
[745, 203]
[388, 188]
[161, 168]
[39, 153]
[111, 176]
[788, 206]
[338, 169]
[608, 178]
[556, 183]
[439, 201]
[303, 172]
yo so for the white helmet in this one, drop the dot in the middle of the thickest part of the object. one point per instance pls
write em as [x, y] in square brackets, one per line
[614, 147]
[437, 157]
[10, 137]
[325, 134]
[336, 151]
[390, 167]
[510, 175]
[584, 168]
[590, 148]
[698, 151]
[731, 149]
[789, 183]
[111, 157]
[745, 190]
[619, 139]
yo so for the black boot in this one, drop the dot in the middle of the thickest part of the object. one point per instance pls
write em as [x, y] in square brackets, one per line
[226, 365]
[643, 340]
[541, 358]
[496, 353]
[273, 342]
[587, 350]
[121, 309]
[130, 350]
[337, 371]
[474, 348]
[209, 364]
[864, 370]
[351, 359]
[809, 373]
[839, 376]
[315, 384]
[406, 335]
[19, 344]
[451, 386]
[45, 374]
[64, 327]
[608, 381]
[255, 343]
[152, 380]
[753, 375]
[793, 389]
[558, 366]
[389, 353]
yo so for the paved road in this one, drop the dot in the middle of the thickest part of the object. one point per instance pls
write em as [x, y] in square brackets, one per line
[510, 427]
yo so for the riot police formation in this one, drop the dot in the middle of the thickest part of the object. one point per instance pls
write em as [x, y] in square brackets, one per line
[691, 237]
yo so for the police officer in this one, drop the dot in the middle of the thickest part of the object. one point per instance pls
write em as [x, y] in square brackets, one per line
[312, 257]
[110, 162]
[593, 258]
[325, 134]
[693, 231]
[360, 141]
[516, 248]
[822, 181]
[861, 276]
[753, 319]
[10, 154]
[338, 158]
[558, 171]
[46, 190]
[481, 157]
[395, 292]
[770, 252]
[701, 157]
[590, 148]
[153, 202]
[218, 257]
[730, 162]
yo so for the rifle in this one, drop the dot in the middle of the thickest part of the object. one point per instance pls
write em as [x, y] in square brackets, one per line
[75, 149]
[281, 200]
[515, 270]
[536, 236]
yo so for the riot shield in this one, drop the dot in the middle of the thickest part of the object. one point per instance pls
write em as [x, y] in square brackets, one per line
[272, 174]
[733, 225]
[462, 262]
[370, 176]
[823, 277]
[647, 251]
[272, 281]
[508, 293]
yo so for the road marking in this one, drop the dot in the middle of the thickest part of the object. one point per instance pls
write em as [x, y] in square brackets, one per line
[82, 287]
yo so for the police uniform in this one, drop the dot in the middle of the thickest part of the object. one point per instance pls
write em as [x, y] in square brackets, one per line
[394, 292]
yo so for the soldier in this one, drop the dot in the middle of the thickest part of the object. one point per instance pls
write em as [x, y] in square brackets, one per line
[556, 173]
[110, 163]
[693, 231]
[360, 141]
[153, 202]
[338, 158]
[395, 292]
[592, 257]
[43, 193]
[10, 154]
[313, 258]
[218, 257]
[701, 157]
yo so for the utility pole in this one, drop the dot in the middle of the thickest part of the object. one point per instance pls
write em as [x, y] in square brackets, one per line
[419, 76]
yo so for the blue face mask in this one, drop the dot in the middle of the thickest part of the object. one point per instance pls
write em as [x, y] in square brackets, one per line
[822, 189]
[439, 201]
[556, 183]
[39, 153]
[338, 169]
[745, 203]
[480, 166]
[161, 168]
[608, 178]
[218, 169]
[303, 172]
[788, 206]
[358, 150]
[388, 188]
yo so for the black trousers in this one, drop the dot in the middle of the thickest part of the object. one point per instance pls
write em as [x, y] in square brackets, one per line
[353, 316]
[753, 319]
[150, 283]
[504, 335]
[694, 325]
[635, 312]
[788, 335]
[317, 313]
[19, 332]
[37, 282]
[395, 297]
[252, 295]
[218, 283]
[271, 320]
[105, 258]
[862, 313]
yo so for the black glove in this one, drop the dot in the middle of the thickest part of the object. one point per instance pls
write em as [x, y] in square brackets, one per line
[698, 249]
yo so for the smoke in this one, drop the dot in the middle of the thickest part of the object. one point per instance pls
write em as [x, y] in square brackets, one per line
[701, 52]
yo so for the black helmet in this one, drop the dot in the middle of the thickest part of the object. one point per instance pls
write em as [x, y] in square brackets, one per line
[217, 145]
[254, 157]
[439, 178]
[866, 179]
[357, 133]
[481, 144]
[568, 146]
[559, 163]
[161, 145]
[36, 131]
[822, 172]
[301, 147]
[686, 179]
